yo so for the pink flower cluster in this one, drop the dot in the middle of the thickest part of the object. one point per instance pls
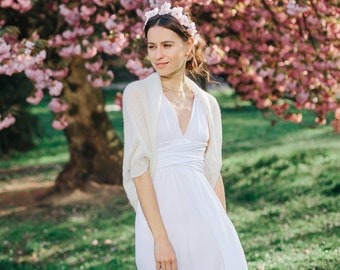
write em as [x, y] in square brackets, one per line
[17, 57]
[19, 5]
[43, 78]
[99, 80]
[57, 106]
[283, 57]
[60, 124]
[130, 4]
[294, 9]
[135, 66]
[213, 55]
[7, 121]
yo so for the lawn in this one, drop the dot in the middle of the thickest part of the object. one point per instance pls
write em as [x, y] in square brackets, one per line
[282, 186]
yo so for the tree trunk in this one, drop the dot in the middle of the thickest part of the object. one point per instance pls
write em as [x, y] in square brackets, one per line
[95, 150]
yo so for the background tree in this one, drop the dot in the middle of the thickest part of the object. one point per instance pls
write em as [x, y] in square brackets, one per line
[282, 55]
[65, 48]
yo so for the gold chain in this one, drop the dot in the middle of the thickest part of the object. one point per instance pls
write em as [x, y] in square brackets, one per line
[178, 97]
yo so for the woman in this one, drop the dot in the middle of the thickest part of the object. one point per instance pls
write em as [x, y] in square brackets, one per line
[172, 156]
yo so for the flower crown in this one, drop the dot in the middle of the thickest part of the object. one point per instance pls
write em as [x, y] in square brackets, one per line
[176, 12]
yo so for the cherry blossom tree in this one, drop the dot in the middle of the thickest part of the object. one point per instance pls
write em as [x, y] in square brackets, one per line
[281, 55]
[65, 48]
[284, 56]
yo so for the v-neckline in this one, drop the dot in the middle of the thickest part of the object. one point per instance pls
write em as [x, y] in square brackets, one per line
[183, 133]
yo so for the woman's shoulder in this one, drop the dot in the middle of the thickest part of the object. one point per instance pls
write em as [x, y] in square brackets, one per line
[138, 87]
[202, 94]
[207, 97]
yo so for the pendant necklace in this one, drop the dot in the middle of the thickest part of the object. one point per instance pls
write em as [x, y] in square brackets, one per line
[178, 97]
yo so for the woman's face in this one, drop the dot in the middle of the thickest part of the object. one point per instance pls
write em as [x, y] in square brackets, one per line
[167, 51]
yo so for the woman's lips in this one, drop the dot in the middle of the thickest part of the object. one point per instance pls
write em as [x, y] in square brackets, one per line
[161, 65]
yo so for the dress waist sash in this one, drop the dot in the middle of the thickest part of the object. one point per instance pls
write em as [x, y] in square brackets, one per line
[188, 154]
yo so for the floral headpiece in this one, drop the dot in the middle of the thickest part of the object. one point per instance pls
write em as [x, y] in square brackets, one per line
[176, 12]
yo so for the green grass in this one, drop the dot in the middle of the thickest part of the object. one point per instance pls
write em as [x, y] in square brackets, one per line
[282, 186]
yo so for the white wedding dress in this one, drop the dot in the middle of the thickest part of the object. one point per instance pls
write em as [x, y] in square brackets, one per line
[198, 227]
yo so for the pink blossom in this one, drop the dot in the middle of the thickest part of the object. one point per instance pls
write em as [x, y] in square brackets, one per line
[129, 4]
[294, 9]
[102, 18]
[40, 57]
[212, 55]
[135, 66]
[279, 78]
[111, 25]
[293, 117]
[6, 3]
[59, 74]
[38, 95]
[89, 53]
[94, 67]
[22, 5]
[70, 50]
[40, 77]
[136, 30]
[144, 72]
[4, 50]
[68, 34]
[82, 31]
[101, 3]
[57, 106]
[86, 12]
[100, 80]
[112, 47]
[71, 16]
[7, 121]
[60, 124]
[55, 88]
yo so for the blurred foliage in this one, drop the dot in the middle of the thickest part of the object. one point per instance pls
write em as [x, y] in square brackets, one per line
[22, 135]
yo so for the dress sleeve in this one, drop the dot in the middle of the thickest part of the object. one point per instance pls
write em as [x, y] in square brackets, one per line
[213, 160]
[137, 152]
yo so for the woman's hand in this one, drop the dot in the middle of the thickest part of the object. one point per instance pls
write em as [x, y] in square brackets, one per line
[165, 255]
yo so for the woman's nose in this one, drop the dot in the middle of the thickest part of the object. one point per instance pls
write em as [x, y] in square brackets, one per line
[159, 53]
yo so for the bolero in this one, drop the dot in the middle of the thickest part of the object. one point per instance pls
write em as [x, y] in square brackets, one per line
[141, 107]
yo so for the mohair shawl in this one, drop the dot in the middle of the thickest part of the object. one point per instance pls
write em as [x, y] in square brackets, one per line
[141, 107]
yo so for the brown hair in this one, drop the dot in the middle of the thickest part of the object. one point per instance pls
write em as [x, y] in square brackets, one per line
[196, 65]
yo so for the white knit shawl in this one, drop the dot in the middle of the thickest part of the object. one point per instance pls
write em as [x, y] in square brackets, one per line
[141, 107]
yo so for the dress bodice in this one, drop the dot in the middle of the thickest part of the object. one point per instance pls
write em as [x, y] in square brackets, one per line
[176, 148]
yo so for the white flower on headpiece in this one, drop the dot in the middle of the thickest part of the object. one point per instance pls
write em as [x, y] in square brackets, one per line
[176, 12]
[151, 13]
[165, 9]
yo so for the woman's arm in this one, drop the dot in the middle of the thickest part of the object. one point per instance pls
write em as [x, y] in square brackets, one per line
[164, 252]
[219, 189]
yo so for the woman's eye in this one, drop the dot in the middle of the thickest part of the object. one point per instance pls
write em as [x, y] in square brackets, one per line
[167, 45]
[151, 47]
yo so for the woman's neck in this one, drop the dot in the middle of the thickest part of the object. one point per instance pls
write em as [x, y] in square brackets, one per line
[174, 84]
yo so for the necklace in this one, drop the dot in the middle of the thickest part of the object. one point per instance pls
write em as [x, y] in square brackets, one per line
[178, 97]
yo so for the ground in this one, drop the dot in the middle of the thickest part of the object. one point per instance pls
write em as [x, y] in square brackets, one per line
[27, 190]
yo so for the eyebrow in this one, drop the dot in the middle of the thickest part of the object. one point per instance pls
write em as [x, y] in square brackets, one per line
[167, 41]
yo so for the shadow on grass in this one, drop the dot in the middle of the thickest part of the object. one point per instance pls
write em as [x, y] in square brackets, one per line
[96, 233]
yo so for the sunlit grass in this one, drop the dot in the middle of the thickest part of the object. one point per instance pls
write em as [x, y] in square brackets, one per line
[282, 186]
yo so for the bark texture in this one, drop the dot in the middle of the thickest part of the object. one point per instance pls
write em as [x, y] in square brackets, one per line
[96, 152]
